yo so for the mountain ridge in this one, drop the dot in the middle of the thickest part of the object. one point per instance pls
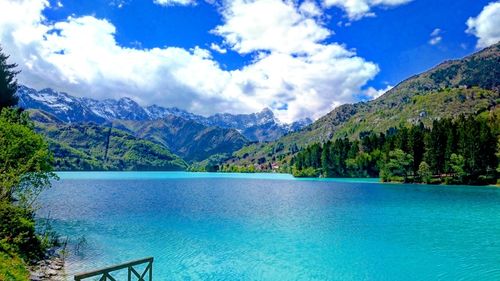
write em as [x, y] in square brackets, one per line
[189, 139]
[260, 126]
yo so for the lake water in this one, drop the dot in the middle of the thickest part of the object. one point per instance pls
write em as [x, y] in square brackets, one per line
[201, 226]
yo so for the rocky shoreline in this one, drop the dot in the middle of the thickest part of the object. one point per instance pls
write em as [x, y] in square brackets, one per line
[50, 268]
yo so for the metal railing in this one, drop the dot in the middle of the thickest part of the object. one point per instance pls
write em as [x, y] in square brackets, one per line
[105, 273]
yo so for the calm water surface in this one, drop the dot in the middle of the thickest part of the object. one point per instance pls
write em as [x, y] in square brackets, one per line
[273, 227]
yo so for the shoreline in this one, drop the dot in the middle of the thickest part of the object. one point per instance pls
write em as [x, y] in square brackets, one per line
[266, 175]
[52, 267]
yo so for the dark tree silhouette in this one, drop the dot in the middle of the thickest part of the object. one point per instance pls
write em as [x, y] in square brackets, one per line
[8, 82]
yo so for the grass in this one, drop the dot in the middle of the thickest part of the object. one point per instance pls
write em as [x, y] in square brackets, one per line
[12, 268]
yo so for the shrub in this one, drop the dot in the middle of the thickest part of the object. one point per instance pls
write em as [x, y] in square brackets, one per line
[424, 172]
[17, 232]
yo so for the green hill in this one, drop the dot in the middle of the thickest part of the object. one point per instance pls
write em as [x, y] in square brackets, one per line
[87, 146]
[467, 86]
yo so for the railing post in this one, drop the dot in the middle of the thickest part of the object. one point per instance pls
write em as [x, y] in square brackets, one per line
[104, 273]
[151, 270]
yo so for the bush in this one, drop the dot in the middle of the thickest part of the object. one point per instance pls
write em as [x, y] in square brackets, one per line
[306, 173]
[25, 160]
[424, 172]
[17, 232]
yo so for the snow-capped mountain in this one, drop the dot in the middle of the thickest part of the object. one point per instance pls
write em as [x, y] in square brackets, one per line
[122, 109]
[261, 126]
[243, 120]
[63, 106]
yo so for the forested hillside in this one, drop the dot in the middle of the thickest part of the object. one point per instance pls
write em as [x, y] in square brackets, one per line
[88, 146]
[467, 86]
[459, 151]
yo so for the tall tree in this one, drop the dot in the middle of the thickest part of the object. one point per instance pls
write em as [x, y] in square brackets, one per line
[416, 145]
[398, 166]
[435, 144]
[8, 82]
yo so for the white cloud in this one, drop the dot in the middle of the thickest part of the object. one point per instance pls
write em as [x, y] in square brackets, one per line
[295, 69]
[309, 8]
[357, 9]
[80, 55]
[435, 32]
[486, 26]
[268, 25]
[435, 40]
[309, 86]
[175, 2]
[292, 67]
[218, 48]
[436, 37]
[372, 93]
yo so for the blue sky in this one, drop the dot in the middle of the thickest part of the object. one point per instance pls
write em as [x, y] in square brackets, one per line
[397, 39]
[301, 59]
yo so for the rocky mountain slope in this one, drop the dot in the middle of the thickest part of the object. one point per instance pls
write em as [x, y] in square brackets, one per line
[465, 86]
[190, 140]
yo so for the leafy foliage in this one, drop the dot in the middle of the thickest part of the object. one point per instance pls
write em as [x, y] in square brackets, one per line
[397, 167]
[25, 170]
[25, 161]
[17, 232]
[424, 172]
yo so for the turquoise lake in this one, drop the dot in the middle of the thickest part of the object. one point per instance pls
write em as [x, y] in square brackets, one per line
[201, 226]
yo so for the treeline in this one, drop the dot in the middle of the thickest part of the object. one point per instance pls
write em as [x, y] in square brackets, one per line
[452, 152]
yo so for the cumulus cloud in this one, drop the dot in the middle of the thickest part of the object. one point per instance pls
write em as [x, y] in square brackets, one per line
[293, 71]
[436, 37]
[486, 25]
[357, 9]
[268, 25]
[80, 55]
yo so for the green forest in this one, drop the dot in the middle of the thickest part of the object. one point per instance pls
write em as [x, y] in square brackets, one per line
[460, 151]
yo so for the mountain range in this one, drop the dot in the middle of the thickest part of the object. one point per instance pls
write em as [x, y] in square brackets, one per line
[261, 126]
[89, 134]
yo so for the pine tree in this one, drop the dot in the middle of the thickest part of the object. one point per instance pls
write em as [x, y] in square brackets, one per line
[326, 160]
[435, 144]
[416, 145]
[8, 82]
